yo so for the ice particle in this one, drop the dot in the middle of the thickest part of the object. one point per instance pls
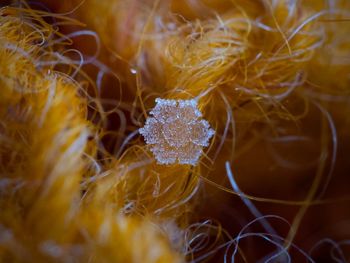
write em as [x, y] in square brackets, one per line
[176, 131]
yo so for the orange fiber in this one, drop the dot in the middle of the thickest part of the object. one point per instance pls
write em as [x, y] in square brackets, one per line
[87, 86]
[45, 156]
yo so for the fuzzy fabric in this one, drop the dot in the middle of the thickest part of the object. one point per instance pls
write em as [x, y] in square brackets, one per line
[174, 131]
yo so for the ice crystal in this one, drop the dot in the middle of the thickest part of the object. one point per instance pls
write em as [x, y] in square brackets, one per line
[176, 132]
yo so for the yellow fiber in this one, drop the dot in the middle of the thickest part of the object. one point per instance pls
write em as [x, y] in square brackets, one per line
[45, 153]
[79, 184]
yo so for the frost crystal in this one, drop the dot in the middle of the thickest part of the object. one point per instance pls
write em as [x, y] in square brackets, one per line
[176, 131]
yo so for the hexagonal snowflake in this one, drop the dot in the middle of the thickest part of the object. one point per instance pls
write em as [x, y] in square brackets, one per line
[176, 132]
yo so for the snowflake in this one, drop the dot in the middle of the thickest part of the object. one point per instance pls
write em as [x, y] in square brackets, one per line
[176, 132]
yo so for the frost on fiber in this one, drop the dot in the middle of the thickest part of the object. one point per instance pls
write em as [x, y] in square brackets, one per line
[176, 132]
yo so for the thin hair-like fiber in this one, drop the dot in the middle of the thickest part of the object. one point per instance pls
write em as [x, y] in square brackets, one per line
[79, 184]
